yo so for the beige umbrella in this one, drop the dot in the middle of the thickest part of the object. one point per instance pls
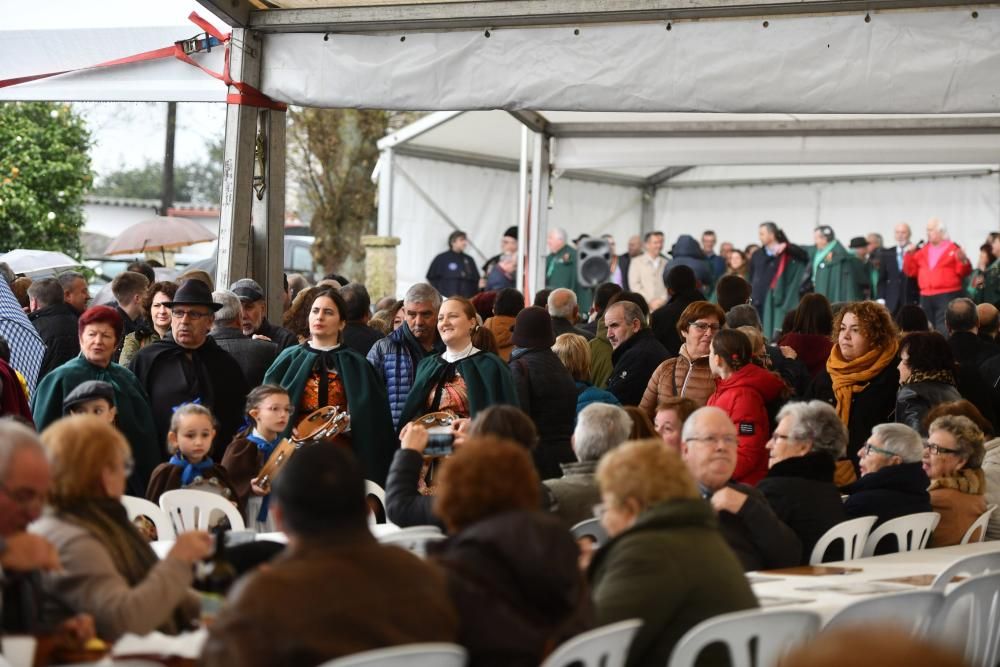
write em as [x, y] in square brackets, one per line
[160, 233]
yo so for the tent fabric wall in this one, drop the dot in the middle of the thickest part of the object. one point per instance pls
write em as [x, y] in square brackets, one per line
[968, 205]
[594, 208]
[935, 61]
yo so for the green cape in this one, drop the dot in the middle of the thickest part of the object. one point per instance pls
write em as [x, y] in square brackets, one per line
[135, 417]
[372, 437]
[487, 379]
[840, 275]
[784, 296]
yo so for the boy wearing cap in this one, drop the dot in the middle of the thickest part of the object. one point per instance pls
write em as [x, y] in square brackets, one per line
[92, 397]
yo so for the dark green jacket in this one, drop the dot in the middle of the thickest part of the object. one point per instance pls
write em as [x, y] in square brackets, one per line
[601, 364]
[487, 379]
[673, 570]
[785, 294]
[135, 418]
[991, 284]
[372, 437]
[840, 275]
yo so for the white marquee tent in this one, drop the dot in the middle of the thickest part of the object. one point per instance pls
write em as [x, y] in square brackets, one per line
[925, 74]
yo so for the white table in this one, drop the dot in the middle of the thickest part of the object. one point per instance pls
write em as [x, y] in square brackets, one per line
[162, 547]
[792, 590]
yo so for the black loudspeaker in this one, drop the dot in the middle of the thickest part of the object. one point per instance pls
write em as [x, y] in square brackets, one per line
[593, 262]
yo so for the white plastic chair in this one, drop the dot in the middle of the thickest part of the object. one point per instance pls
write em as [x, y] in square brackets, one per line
[408, 655]
[591, 528]
[911, 530]
[136, 506]
[606, 646]
[853, 533]
[969, 620]
[193, 510]
[414, 539]
[913, 611]
[980, 525]
[373, 489]
[756, 637]
[969, 566]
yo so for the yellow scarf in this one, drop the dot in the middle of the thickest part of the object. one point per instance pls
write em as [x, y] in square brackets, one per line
[851, 377]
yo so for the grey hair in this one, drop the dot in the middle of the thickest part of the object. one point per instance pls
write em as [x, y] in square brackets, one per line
[423, 293]
[600, 427]
[559, 232]
[630, 311]
[15, 437]
[691, 423]
[744, 315]
[230, 311]
[46, 292]
[562, 302]
[818, 423]
[901, 440]
[67, 279]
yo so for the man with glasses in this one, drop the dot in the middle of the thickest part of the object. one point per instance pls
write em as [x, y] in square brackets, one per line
[24, 484]
[189, 366]
[751, 528]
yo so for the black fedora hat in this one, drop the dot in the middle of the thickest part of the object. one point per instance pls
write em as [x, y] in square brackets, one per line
[194, 293]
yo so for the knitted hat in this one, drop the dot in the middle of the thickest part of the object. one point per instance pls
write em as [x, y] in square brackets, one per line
[88, 391]
[533, 328]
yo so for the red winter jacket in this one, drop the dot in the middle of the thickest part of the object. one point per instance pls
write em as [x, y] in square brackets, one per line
[945, 277]
[744, 396]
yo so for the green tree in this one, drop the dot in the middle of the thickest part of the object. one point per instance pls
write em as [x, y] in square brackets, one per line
[331, 156]
[44, 172]
[199, 181]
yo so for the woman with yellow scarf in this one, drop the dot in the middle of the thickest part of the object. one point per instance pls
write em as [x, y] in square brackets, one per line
[860, 379]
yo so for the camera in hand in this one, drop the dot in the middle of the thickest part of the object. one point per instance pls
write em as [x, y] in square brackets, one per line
[439, 444]
[213, 578]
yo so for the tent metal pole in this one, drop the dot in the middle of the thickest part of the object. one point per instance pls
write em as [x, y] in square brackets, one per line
[268, 209]
[386, 178]
[648, 218]
[539, 213]
[525, 244]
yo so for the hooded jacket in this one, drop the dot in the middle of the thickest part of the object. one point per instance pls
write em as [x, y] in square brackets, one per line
[744, 396]
[502, 327]
[515, 583]
[687, 252]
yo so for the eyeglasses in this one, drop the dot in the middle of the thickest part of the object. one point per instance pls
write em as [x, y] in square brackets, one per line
[23, 498]
[936, 449]
[869, 448]
[129, 465]
[778, 437]
[727, 440]
[705, 326]
[180, 314]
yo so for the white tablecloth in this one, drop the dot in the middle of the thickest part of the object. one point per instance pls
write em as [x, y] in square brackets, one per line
[800, 591]
[162, 547]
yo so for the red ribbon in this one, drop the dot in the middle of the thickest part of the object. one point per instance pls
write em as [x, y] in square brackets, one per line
[247, 95]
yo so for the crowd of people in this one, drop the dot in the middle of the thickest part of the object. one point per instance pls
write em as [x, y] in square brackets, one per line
[709, 409]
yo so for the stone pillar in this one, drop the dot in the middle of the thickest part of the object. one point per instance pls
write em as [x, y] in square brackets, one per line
[380, 265]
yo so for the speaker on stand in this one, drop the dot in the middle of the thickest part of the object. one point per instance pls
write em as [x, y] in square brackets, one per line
[593, 263]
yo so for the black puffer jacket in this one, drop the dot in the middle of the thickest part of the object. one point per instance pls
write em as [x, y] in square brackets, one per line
[547, 393]
[915, 400]
[57, 326]
[801, 492]
[515, 583]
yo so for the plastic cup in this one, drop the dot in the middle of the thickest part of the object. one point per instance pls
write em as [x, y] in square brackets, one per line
[19, 650]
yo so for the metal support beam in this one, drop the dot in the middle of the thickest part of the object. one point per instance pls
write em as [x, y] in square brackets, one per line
[783, 127]
[840, 178]
[538, 228]
[532, 119]
[234, 12]
[416, 128]
[237, 170]
[647, 221]
[523, 186]
[268, 210]
[665, 175]
[472, 14]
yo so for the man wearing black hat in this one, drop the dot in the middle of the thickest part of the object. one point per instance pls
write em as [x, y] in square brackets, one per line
[253, 316]
[453, 273]
[508, 246]
[545, 389]
[862, 249]
[189, 366]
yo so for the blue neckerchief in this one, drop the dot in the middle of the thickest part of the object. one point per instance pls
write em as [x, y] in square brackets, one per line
[266, 447]
[191, 470]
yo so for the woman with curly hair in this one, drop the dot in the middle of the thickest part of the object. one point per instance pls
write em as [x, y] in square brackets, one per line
[953, 459]
[926, 378]
[296, 318]
[860, 379]
[511, 569]
[155, 325]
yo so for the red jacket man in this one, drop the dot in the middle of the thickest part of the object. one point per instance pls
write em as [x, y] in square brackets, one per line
[939, 267]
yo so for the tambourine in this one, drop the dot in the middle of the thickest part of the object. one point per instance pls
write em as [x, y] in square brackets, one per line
[318, 426]
[210, 485]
